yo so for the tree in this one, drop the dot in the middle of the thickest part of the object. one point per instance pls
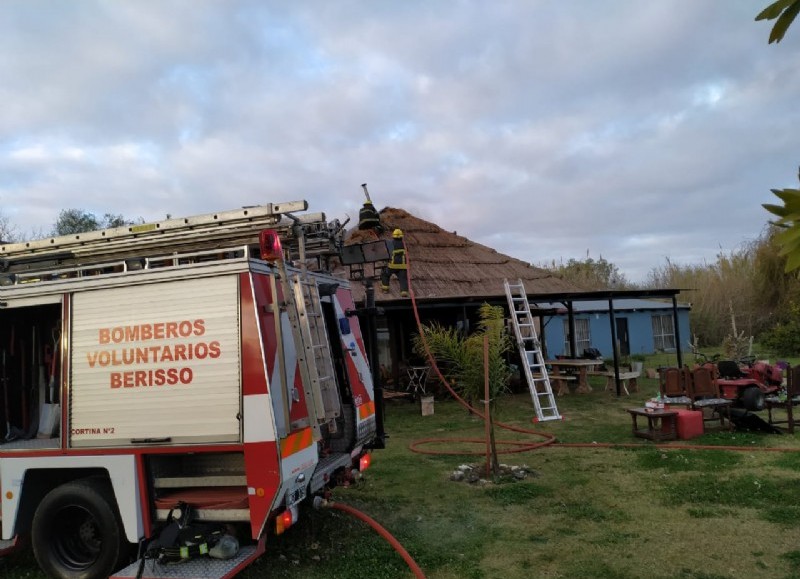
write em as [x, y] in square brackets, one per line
[8, 231]
[72, 221]
[463, 360]
[591, 274]
[785, 12]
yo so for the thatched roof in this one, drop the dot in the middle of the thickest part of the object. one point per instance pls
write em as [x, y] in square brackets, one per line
[445, 265]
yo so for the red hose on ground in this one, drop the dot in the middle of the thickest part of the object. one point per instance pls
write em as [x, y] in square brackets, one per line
[383, 533]
[672, 446]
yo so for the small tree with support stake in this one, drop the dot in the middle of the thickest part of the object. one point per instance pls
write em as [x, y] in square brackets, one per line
[463, 357]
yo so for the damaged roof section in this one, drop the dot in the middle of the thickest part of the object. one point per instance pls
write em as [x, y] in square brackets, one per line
[444, 265]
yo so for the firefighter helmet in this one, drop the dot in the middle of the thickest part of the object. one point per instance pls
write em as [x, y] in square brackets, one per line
[397, 233]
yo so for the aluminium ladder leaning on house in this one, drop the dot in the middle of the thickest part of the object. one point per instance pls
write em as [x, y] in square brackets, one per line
[530, 351]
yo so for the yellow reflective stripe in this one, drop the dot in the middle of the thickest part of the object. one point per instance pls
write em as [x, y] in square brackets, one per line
[366, 410]
[296, 442]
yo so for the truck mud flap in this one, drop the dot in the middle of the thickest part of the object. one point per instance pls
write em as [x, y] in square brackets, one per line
[8, 547]
[199, 568]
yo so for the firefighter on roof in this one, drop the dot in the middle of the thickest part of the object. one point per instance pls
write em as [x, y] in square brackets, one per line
[368, 217]
[397, 265]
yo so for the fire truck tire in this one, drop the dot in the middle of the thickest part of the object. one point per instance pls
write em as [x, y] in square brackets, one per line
[753, 398]
[77, 532]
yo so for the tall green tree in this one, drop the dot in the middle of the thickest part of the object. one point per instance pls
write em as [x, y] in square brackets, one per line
[461, 359]
[784, 13]
[590, 273]
[72, 221]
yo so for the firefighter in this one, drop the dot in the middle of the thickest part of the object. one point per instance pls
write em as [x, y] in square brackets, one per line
[369, 218]
[397, 265]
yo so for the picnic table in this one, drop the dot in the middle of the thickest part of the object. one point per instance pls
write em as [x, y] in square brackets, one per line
[575, 367]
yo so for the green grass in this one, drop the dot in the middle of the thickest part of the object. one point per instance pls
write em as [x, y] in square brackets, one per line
[627, 511]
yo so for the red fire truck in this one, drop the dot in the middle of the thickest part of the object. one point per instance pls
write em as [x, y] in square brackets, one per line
[210, 364]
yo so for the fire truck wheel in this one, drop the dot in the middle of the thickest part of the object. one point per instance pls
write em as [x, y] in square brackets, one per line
[753, 398]
[77, 532]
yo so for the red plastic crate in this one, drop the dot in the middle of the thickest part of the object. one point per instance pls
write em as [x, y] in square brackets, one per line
[690, 424]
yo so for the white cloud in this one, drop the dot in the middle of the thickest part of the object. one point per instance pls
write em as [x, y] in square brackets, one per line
[543, 129]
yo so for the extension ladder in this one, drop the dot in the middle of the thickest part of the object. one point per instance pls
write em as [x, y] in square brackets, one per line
[311, 344]
[530, 351]
[317, 347]
[196, 238]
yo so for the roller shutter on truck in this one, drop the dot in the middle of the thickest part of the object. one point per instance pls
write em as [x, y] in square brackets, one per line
[156, 363]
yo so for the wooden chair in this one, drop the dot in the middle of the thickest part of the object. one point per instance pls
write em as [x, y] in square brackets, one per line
[703, 391]
[672, 385]
[786, 400]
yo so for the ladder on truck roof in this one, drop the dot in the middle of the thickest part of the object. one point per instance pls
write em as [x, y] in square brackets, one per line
[213, 231]
[530, 351]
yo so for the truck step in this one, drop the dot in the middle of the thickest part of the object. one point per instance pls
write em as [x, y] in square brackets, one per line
[199, 568]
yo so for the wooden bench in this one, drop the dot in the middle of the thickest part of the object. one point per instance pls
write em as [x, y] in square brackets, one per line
[626, 379]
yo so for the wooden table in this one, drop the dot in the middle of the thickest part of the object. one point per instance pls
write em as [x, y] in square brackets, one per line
[661, 424]
[580, 366]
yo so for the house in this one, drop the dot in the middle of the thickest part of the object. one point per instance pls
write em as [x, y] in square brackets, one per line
[642, 326]
[451, 277]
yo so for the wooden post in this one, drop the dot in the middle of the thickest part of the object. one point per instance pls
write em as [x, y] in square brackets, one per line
[487, 417]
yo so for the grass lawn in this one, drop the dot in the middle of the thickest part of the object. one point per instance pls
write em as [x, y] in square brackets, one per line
[587, 512]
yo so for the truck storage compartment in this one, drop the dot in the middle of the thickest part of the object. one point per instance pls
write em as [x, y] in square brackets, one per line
[213, 484]
[30, 366]
[156, 363]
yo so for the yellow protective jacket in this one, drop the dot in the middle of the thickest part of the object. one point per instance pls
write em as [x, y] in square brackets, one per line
[398, 257]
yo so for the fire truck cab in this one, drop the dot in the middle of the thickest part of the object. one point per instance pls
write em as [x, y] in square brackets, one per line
[209, 363]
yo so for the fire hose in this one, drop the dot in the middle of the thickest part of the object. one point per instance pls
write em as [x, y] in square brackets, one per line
[320, 502]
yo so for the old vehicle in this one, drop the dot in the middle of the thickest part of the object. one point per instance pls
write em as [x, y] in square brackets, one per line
[209, 363]
[747, 382]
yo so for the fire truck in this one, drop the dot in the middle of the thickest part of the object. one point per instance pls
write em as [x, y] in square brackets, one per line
[210, 363]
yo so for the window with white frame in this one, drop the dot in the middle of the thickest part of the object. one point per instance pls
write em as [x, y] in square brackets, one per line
[663, 333]
[582, 338]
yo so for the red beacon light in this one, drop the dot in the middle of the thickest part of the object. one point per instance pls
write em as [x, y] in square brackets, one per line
[270, 245]
[364, 462]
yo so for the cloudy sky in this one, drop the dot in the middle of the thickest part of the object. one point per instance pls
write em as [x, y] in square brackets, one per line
[638, 131]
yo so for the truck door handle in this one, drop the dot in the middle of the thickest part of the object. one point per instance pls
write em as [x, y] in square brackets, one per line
[150, 440]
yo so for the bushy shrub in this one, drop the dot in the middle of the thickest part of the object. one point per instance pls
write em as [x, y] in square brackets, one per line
[783, 338]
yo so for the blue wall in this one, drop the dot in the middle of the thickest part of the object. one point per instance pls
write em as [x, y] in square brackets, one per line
[640, 331]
